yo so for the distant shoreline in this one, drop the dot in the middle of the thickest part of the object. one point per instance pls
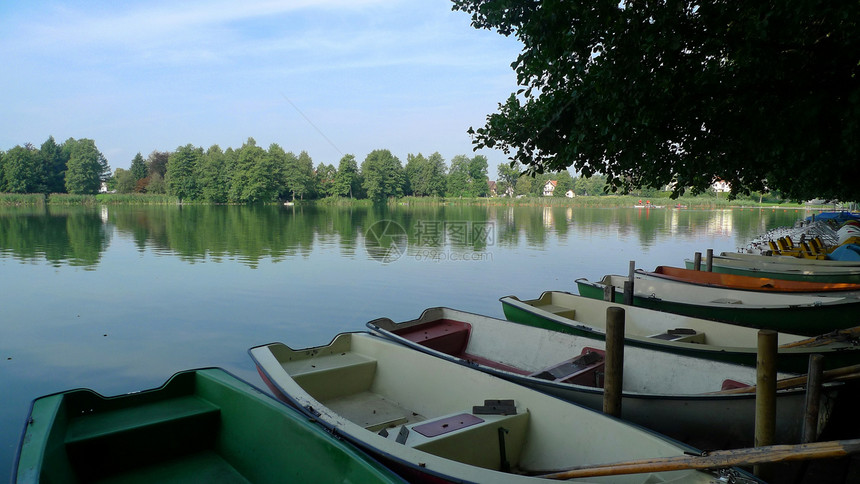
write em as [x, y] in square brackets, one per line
[604, 201]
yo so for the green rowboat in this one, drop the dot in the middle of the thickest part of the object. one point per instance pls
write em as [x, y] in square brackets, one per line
[800, 314]
[675, 333]
[200, 426]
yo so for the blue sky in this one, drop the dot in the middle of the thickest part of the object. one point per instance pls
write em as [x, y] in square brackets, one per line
[330, 77]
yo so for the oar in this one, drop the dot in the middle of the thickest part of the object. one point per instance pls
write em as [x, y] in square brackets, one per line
[827, 338]
[836, 374]
[716, 459]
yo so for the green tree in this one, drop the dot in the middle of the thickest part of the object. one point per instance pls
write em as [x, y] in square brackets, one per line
[565, 183]
[435, 175]
[2, 176]
[383, 175]
[125, 181]
[156, 162]
[509, 174]
[155, 184]
[478, 176]
[325, 176]
[182, 169]
[298, 174]
[414, 170]
[347, 182]
[212, 175]
[22, 169]
[86, 169]
[54, 162]
[458, 177]
[651, 93]
[138, 167]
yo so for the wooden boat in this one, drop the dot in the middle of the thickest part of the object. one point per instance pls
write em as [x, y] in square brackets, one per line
[800, 314]
[665, 392]
[749, 283]
[433, 420]
[792, 272]
[678, 334]
[201, 426]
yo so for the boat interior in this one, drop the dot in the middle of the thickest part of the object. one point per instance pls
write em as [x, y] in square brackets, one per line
[194, 429]
[490, 433]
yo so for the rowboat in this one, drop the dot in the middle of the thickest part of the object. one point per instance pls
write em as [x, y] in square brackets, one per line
[434, 420]
[792, 272]
[662, 391]
[786, 260]
[201, 426]
[801, 314]
[749, 283]
[674, 333]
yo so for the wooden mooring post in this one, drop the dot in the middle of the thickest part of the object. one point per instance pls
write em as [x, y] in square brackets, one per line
[765, 395]
[815, 376]
[614, 366]
[697, 261]
[628, 284]
[709, 260]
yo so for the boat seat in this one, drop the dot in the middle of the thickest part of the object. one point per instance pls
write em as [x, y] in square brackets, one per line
[681, 335]
[445, 335]
[562, 311]
[470, 437]
[584, 369]
[149, 433]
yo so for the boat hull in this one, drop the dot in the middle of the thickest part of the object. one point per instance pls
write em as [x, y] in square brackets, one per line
[672, 403]
[201, 426]
[805, 319]
[388, 399]
[797, 274]
[586, 324]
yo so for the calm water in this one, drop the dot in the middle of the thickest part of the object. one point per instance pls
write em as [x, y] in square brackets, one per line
[117, 299]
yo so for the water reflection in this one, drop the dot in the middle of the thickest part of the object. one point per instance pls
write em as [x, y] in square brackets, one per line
[79, 236]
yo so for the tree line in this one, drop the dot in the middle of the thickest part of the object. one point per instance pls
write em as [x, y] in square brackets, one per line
[74, 166]
[252, 174]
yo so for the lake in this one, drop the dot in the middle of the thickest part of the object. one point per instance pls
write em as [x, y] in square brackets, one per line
[117, 299]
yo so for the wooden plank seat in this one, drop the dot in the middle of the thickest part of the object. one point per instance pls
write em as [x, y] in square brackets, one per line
[142, 434]
[584, 369]
[445, 335]
[682, 335]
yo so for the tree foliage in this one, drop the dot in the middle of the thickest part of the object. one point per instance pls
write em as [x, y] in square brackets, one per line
[87, 167]
[138, 167]
[759, 94]
[383, 175]
[182, 168]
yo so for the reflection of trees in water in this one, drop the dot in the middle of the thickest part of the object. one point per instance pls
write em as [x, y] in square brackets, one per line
[77, 236]
[60, 235]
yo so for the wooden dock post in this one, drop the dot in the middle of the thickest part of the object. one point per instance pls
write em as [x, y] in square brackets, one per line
[609, 293]
[765, 394]
[697, 261]
[813, 398]
[614, 362]
[628, 285]
[709, 260]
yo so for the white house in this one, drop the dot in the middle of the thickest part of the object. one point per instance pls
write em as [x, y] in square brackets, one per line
[721, 186]
[569, 194]
[549, 187]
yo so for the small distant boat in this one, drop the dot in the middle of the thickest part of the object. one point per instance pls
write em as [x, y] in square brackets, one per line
[201, 426]
[665, 392]
[794, 313]
[679, 334]
[750, 283]
[433, 420]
